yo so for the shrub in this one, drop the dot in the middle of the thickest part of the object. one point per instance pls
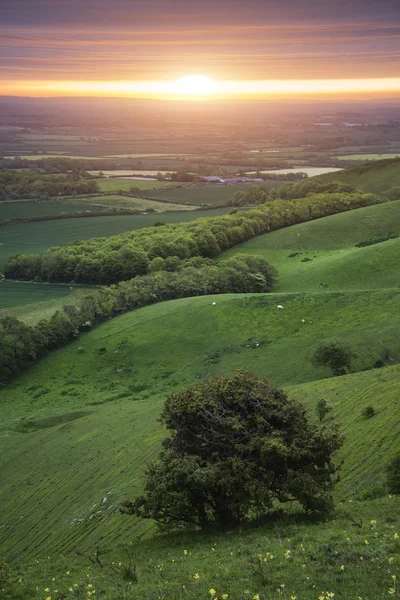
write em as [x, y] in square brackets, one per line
[368, 412]
[237, 446]
[393, 475]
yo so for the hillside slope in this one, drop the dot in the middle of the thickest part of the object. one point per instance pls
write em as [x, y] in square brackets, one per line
[375, 177]
[79, 427]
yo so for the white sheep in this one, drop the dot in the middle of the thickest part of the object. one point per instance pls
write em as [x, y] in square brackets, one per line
[280, 306]
[214, 303]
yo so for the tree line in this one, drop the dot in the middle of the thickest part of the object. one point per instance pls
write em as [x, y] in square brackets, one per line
[21, 344]
[15, 185]
[120, 257]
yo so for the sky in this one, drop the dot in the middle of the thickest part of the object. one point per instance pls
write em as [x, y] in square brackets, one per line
[80, 47]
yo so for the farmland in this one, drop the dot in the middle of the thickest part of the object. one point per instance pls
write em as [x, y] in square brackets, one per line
[111, 184]
[37, 237]
[16, 294]
[32, 208]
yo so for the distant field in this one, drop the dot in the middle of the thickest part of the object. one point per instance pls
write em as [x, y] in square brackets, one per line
[152, 155]
[110, 184]
[311, 171]
[12, 210]
[55, 155]
[16, 294]
[35, 301]
[116, 173]
[206, 194]
[367, 156]
[37, 237]
[97, 202]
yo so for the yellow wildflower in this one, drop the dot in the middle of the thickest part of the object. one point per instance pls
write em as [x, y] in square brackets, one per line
[185, 552]
[282, 585]
[391, 591]
[342, 567]
[366, 542]
[46, 589]
[213, 592]
[372, 523]
[196, 576]
[67, 572]
[287, 553]
[256, 597]
[293, 597]
[224, 596]
[89, 585]
[48, 598]
[394, 577]
[396, 536]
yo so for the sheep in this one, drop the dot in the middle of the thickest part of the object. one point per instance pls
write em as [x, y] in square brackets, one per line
[303, 321]
[280, 306]
[214, 303]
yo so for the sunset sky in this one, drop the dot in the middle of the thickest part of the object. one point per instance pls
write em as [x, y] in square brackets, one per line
[133, 47]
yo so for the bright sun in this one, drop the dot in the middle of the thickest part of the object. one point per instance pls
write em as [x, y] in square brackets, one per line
[196, 85]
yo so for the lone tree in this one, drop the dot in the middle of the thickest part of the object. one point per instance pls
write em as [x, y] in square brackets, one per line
[237, 446]
[333, 354]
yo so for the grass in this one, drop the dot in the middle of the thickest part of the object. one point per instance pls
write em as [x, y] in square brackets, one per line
[311, 171]
[37, 237]
[376, 177]
[111, 184]
[322, 254]
[13, 210]
[79, 427]
[211, 195]
[14, 294]
[142, 204]
[31, 302]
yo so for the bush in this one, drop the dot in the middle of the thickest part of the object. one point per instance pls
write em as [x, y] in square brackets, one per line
[323, 408]
[368, 412]
[333, 354]
[393, 475]
[237, 446]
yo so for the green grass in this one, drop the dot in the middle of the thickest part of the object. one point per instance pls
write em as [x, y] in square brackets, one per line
[322, 254]
[376, 177]
[205, 194]
[111, 184]
[31, 302]
[37, 237]
[13, 210]
[79, 427]
[50, 492]
[16, 294]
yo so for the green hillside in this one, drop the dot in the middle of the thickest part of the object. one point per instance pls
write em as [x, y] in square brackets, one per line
[322, 255]
[375, 177]
[80, 425]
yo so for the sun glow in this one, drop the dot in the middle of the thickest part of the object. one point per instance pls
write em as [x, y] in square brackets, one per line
[195, 85]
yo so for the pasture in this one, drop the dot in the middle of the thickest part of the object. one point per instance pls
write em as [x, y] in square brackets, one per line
[206, 194]
[14, 294]
[322, 254]
[311, 171]
[114, 184]
[102, 403]
[32, 208]
[35, 238]
[367, 156]
[376, 177]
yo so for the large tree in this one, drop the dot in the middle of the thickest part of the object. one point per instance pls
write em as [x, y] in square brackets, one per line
[238, 446]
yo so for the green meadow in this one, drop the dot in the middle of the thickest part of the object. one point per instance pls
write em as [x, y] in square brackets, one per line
[14, 294]
[79, 427]
[114, 184]
[376, 177]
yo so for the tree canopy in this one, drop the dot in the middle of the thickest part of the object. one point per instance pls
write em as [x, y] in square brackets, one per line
[237, 446]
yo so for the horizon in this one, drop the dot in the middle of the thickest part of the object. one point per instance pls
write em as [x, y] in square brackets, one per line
[198, 51]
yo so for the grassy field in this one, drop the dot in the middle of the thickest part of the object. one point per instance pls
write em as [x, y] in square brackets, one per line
[111, 184]
[103, 404]
[212, 195]
[79, 427]
[311, 171]
[37, 237]
[376, 177]
[16, 294]
[16, 209]
[322, 254]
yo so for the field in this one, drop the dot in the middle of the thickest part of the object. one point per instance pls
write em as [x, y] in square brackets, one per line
[111, 184]
[37, 237]
[203, 194]
[322, 255]
[16, 294]
[79, 427]
[376, 177]
[18, 209]
[311, 171]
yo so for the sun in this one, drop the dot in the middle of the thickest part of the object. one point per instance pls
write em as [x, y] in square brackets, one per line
[195, 85]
